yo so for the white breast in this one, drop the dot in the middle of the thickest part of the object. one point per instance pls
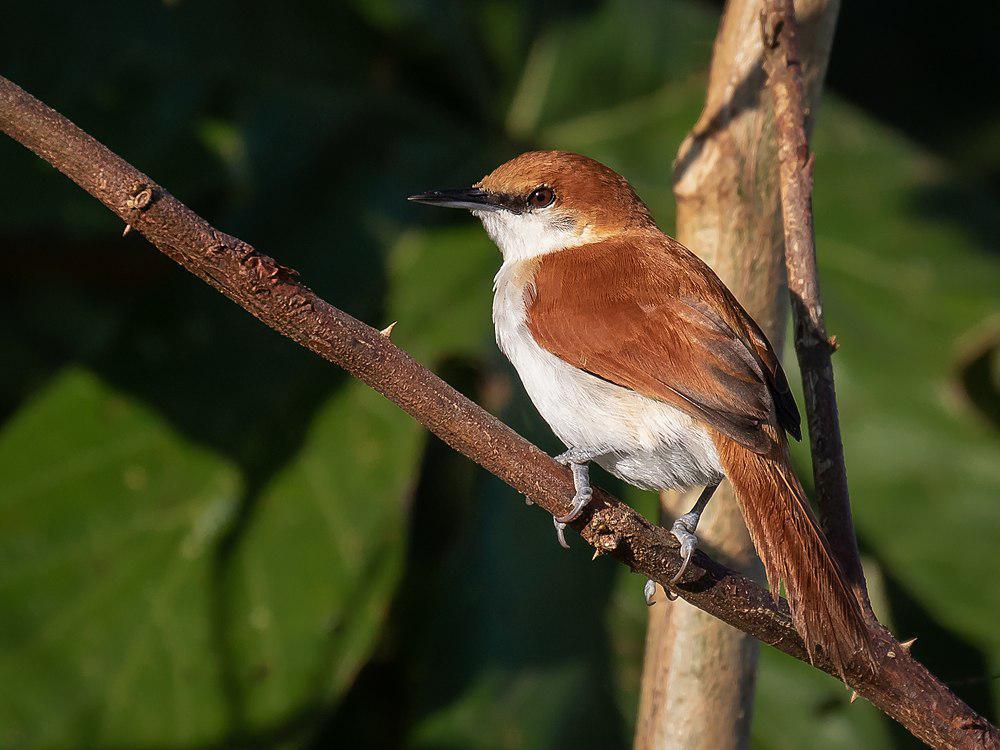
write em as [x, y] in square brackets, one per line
[645, 442]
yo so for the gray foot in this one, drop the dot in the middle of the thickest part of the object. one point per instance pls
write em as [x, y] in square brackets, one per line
[574, 456]
[684, 528]
[584, 492]
[577, 460]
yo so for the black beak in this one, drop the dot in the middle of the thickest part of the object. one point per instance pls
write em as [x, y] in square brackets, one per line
[474, 199]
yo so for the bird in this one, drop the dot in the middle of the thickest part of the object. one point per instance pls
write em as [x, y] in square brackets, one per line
[642, 361]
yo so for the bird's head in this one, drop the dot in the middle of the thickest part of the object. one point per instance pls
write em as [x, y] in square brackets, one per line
[544, 201]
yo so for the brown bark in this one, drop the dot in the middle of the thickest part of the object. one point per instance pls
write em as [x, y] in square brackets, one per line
[698, 673]
[903, 688]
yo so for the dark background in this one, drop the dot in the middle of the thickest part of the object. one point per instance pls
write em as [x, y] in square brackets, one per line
[209, 538]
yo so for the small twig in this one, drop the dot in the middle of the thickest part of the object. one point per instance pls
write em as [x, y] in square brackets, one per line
[813, 346]
[902, 687]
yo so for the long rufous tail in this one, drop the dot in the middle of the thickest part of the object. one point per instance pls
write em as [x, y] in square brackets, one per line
[795, 551]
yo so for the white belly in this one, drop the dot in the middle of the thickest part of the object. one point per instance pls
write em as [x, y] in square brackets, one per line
[645, 442]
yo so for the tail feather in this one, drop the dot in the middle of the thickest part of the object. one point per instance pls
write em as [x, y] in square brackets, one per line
[795, 551]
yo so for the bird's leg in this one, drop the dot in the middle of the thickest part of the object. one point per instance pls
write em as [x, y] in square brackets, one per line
[684, 528]
[584, 492]
[578, 460]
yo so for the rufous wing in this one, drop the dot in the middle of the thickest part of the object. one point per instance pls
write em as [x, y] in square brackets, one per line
[644, 313]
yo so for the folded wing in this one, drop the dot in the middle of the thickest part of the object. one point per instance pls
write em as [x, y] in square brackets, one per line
[646, 314]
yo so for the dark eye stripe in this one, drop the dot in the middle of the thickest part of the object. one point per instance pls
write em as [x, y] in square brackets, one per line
[518, 204]
[513, 203]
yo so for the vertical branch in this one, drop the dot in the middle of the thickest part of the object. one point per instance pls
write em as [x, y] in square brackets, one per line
[813, 347]
[699, 674]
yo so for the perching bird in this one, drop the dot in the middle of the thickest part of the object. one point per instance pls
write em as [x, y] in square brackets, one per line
[641, 360]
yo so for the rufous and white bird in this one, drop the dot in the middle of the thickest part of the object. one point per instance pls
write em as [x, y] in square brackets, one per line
[642, 361]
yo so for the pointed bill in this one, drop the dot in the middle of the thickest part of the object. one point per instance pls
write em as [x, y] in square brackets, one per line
[473, 199]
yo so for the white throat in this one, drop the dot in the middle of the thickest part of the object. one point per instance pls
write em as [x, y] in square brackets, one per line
[527, 235]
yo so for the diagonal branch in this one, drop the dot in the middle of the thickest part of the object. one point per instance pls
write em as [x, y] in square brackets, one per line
[813, 346]
[902, 688]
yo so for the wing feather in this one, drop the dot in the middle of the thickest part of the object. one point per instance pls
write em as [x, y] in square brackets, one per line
[646, 314]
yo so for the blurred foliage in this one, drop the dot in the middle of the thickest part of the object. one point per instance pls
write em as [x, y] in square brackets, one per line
[207, 537]
[938, 98]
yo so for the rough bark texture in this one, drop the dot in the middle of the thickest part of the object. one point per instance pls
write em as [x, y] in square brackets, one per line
[901, 687]
[699, 673]
[785, 46]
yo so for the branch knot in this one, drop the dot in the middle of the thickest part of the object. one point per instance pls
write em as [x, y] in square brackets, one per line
[140, 199]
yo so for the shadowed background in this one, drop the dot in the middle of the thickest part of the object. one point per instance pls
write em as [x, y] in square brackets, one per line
[210, 538]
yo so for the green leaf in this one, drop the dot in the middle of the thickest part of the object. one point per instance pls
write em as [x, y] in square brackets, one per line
[109, 519]
[313, 570]
[147, 603]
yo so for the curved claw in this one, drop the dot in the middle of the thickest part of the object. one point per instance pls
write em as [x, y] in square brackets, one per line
[687, 552]
[580, 501]
[560, 535]
[683, 530]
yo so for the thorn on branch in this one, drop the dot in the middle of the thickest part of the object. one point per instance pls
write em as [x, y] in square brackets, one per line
[907, 645]
[387, 332]
[854, 695]
[128, 228]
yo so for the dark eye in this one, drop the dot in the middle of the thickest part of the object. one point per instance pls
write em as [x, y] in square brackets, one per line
[541, 197]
